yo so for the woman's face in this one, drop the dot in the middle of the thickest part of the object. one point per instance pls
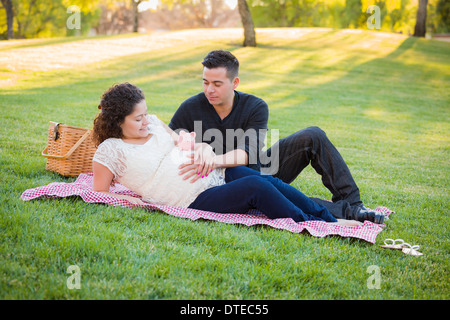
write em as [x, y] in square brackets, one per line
[135, 124]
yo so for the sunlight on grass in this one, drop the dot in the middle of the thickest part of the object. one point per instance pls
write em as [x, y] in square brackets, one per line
[386, 116]
[436, 135]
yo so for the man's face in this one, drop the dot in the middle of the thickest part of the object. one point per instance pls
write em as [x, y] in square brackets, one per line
[218, 88]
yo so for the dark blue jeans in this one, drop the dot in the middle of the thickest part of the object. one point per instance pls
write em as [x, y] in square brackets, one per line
[247, 189]
[312, 146]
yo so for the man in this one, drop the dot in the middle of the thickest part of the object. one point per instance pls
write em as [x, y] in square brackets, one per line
[234, 123]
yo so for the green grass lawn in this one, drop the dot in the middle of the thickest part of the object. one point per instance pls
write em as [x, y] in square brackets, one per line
[383, 99]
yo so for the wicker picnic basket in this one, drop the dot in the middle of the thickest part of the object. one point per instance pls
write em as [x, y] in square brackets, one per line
[70, 149]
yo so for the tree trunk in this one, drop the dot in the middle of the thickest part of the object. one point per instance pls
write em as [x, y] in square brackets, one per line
[7, 4]
[421, 20]
[247, 22]
[135, 4]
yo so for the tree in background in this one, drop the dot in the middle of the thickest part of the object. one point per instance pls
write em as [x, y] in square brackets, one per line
[247, 23]
[182, 14]
[206, 11]
[353, 14]
[441, 23]
[135, 4]
[421, 20]
[39, 18]
[7, 4]
[281, 13]
[115, 17]
[44, 18]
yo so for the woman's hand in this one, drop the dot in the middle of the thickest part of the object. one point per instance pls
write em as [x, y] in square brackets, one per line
[348, 223]
[132, 200]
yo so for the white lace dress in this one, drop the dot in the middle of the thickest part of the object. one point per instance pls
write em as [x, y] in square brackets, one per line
[151, 170]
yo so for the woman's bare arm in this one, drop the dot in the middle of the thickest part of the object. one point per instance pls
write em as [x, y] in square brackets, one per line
[102, 181]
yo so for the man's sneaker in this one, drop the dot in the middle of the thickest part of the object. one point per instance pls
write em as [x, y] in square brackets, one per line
[371, 215]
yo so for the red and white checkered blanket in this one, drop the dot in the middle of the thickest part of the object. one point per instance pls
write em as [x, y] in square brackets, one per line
[83, 187]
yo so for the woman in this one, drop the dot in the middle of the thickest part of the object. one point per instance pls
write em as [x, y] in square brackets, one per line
[140, 152]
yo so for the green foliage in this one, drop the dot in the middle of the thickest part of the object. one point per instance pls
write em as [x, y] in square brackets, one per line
[438, 20]
[47, 18]
[396, 15]
[353, 14]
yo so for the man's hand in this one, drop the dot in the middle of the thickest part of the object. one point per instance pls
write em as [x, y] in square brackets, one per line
[201, 166]
[201, 163]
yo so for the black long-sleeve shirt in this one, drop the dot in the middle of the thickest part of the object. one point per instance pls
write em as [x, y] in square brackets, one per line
[243, 128]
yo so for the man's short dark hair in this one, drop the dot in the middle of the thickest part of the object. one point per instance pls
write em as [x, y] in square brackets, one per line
[221, 58]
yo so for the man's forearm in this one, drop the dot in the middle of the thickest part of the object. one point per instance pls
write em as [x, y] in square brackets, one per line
[230, 159]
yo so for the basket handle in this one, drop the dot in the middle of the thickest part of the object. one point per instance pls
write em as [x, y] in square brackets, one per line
[69, 153]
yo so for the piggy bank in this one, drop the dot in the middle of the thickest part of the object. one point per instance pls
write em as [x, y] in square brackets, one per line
[186, 141]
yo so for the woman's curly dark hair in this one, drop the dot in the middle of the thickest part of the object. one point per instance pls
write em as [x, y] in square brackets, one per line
[116, 103]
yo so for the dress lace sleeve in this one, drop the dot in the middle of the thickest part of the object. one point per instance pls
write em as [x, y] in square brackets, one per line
[154, 121]
[111, 156]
